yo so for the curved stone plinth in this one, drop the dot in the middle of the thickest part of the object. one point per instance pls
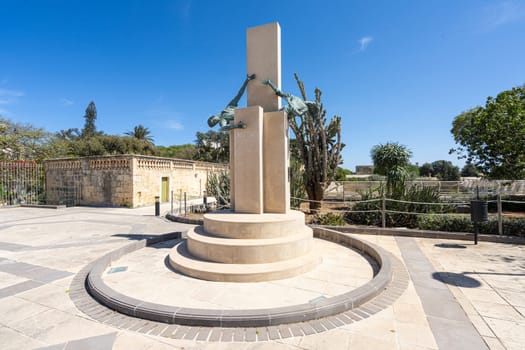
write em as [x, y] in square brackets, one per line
[389, 283]
[237, 225]
[202, 245]
[181, 260]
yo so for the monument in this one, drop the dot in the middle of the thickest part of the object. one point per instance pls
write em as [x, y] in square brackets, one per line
[260, 238]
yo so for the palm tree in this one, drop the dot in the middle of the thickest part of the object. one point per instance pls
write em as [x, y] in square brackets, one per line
[141, 132]
[391, 160]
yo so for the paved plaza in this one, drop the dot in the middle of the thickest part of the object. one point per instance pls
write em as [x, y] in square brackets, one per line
[459, 296]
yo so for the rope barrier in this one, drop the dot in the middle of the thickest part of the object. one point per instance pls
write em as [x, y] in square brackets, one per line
[426, 203]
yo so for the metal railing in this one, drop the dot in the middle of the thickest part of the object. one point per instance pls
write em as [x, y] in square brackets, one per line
[21, 182]
[382, 207]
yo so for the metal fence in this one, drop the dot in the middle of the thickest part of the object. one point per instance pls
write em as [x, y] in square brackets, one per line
[21, 182]
[463, 189]
[381, 207]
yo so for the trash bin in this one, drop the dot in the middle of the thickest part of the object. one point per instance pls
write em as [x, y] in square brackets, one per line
[479, 212]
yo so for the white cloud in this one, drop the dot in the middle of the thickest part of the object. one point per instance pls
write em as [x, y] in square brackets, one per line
[364, 42]
[173, 124]
[10, 93]
[5, 113]
[500, 14]
[8, 97]
[66, 102]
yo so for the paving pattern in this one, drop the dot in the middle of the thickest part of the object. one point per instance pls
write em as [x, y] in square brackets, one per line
[48, 248]
[92, 308]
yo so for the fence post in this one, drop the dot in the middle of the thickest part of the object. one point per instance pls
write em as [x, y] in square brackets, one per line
[185, 207]
[180, 201]
[500, 216]
[172, 202]
[383, 212]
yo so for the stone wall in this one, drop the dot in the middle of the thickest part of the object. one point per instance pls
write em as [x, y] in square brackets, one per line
[123, 180]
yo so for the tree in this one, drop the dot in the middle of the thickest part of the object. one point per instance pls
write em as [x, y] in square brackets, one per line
[140, 132]
[212, 146]
[426, 170]
[469, 170]
[391, 160]
[90, 129]
[318, 146]
[444, 170]
[186, 151]
[341, 173]
[25, 142]
[492, 138]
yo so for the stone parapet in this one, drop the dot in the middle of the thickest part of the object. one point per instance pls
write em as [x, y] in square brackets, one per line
[123, 180]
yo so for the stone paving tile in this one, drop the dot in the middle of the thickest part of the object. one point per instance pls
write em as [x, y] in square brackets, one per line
[345, 319]
[284, 331]
[203, 334]
[227, 334]
[449, 323]
[148, 327]
[7, 279]
[180, 332]
[307, 328]
[273, 333]
[296, 330]
[158, 329]
[317, 325]
[191, 333]
[215, 334]
[262, 334]
[360, 313]
[238, 335]
[169, 331]
[251, 335]
[18, 288]
[352, 315]
[97, 342]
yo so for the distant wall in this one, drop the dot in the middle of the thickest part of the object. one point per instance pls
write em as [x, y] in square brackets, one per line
[123, 180]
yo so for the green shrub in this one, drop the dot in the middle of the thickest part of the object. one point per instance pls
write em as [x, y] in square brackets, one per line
[449, 223]
[218, 186]
[415, 193]
[329, 219]
[462, 223]
[514, 207]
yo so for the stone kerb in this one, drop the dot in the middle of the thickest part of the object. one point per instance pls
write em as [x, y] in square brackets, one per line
[242, 318]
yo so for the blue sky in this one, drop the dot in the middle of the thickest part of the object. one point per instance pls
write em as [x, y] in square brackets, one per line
[394, 70]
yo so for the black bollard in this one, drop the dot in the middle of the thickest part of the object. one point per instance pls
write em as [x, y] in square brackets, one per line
[157, 205]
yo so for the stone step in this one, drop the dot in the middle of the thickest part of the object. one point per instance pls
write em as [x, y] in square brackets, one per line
[181, 260]
[248, 251]
[238, 225]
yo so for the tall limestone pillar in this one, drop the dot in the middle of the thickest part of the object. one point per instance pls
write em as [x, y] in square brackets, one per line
[261, 150]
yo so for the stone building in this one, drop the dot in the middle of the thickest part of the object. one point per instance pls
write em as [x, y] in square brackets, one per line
[123, 180]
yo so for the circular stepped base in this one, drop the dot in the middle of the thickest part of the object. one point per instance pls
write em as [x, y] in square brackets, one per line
[248, 251]
[181, 260]
[229, 224]
[238, 247]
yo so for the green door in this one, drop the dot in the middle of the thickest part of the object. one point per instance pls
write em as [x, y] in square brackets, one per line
[165, 192]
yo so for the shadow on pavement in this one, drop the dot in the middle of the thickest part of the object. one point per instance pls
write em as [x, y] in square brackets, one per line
[456, 279]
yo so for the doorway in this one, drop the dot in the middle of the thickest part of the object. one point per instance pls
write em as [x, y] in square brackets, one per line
[165, 190]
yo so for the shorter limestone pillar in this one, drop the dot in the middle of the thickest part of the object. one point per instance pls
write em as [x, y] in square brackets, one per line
[276, 163]
[248, 161]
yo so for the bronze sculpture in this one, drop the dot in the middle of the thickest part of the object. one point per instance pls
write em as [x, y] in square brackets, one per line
[296, 106]
[225, 117]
